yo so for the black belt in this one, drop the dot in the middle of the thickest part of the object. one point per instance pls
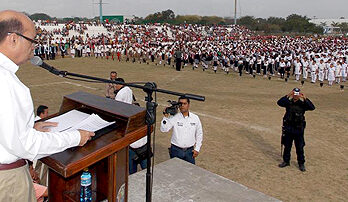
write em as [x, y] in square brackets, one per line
[184, 149]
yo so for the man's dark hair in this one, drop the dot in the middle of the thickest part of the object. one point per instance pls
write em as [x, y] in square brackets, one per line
[10, 25]
[119, 79]
[40, 110]
[183, 97]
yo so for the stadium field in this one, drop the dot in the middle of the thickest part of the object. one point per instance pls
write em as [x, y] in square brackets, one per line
[241, 121]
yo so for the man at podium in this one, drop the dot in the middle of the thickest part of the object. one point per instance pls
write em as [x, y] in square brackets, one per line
[20, 139]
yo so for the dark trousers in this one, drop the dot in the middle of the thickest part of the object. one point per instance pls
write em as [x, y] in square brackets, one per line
[264, 69]
[240, 69]
[178, 64]
[133, 165]
[246, 65]
[282, 71]
[184, 154]
[297, 135]
[270, 69]
[251, 69]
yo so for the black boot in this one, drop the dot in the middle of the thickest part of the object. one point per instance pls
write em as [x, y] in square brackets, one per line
[302, 167]
[284, 164]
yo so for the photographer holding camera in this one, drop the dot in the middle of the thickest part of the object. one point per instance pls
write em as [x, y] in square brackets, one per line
[296, 104]
[187, 133]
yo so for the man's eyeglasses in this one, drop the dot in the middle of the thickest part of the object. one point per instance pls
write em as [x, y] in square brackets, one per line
[27, 38]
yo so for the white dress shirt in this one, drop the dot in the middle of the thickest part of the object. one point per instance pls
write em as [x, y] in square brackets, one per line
[139, 143]
[37, 118]
[125, 95]
[321, 67]
[314, 67]
[187, 131]
[18, 138]
[298, 68]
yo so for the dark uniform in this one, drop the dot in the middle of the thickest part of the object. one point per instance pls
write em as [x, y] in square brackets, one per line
[177, 56]
[293, 128]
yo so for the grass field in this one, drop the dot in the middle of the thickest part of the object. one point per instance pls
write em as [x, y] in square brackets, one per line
[241, 123]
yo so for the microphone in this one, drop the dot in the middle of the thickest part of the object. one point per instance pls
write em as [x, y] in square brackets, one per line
[37, 61]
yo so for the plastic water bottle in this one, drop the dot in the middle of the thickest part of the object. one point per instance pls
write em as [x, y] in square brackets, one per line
[86, 186]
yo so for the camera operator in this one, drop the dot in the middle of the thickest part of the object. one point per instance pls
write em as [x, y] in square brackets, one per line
[187, 133]
[296, 104]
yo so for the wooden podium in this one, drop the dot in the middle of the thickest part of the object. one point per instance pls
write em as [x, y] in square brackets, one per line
[106, 157]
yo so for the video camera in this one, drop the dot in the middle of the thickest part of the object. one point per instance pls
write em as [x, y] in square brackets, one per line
[173, 109]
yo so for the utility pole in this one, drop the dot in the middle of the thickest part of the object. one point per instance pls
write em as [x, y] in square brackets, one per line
[100, 11]
[235, 12]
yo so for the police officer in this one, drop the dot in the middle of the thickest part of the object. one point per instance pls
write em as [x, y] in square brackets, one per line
[296, 104]
[187, 133]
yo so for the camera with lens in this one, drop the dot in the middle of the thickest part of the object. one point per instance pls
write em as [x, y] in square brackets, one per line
[173, 109]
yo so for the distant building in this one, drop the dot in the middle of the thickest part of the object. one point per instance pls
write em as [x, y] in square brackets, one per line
[328, 22]
[332, 30]
[330, 25]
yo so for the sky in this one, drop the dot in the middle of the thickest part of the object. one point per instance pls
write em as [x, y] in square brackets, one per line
[328, 9]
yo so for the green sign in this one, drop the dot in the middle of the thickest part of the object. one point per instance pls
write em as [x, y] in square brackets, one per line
[115, 18]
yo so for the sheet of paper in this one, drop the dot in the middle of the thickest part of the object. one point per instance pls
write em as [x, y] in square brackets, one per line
[92, 123]
[68, 120]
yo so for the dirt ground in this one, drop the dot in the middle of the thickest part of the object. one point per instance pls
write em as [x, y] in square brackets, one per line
[241, 123]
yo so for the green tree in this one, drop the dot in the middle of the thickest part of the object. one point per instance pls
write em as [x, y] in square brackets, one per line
[189, 19]
[168, 14]
[248, 21]
[344, 27]
[161, 17]
[276, 21]
[300, 24]
[209, 20]
[229, 20]
[295, 23]
[335, 24]
[40, 16]
[138, 20]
